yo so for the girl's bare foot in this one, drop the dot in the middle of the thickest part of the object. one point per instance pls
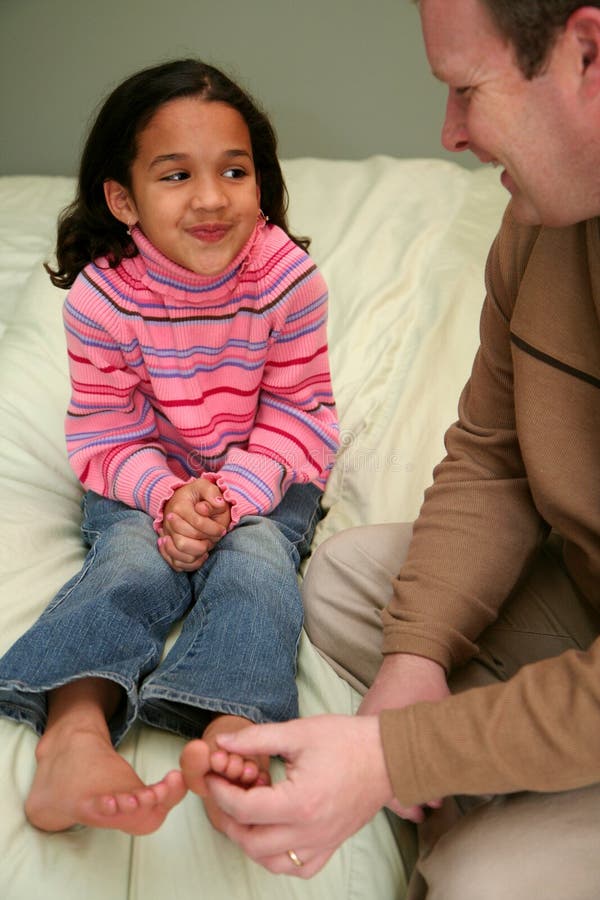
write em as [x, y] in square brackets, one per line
[81, 779]
[200, 757]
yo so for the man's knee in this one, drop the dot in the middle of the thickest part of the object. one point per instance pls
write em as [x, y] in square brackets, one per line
[348, 583]
[357, 565]
[326, 569]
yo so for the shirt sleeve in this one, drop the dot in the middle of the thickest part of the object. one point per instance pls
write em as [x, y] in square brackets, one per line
[112, 438]
[479, 741]
[478, 529]
[295, 434]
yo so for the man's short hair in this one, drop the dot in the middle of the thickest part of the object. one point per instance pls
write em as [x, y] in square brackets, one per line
[532, 27]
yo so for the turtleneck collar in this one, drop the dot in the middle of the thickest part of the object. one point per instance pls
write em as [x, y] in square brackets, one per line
[158, 273]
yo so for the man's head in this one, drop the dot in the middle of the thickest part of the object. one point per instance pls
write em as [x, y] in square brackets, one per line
[532, 26]
[530, 105]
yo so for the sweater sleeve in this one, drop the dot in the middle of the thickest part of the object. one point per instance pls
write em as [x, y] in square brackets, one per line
[112, 438]
[478, 529]
[480, 741]
[295, 434]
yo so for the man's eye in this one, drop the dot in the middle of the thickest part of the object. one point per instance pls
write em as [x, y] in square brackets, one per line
[462, 91]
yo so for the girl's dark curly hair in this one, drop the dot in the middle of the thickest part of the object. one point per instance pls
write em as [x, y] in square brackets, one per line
[86, 228]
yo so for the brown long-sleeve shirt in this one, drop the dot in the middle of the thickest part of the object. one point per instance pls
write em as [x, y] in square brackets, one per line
[523, 458]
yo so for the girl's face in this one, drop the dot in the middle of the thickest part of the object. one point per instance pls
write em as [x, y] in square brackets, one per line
[194, 190]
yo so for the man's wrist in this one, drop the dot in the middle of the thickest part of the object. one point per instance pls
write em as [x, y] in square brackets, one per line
[402, 680]
[410, 662]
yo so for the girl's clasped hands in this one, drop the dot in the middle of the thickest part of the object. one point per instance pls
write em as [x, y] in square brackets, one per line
[195, 518]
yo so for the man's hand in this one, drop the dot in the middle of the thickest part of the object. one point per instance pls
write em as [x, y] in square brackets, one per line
[195, 518]
[336, 780]
[402, 680]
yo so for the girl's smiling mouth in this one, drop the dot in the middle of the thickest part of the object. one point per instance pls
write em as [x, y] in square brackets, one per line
[210, 233]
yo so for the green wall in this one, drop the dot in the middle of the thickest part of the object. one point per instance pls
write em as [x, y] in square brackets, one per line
[340, 78]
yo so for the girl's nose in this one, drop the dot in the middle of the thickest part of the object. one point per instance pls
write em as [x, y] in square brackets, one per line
[455, 136]
[208, 194]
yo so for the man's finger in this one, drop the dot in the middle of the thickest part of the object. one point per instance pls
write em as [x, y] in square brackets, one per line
[270, 740]
[283, 864]
[250, 806]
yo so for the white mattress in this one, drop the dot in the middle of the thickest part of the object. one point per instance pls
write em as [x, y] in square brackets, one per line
[402, 245]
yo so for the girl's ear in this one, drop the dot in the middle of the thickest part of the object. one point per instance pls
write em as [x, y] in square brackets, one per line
[120, 203]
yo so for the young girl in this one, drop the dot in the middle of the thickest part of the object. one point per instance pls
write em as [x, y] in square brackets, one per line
[203, 427]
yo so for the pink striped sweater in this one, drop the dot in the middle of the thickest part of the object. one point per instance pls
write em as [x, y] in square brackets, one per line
[176, 375]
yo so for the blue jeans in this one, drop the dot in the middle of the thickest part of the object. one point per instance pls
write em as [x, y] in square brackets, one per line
[236, 652]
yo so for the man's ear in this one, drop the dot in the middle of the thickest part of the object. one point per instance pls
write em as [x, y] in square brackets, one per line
[120, 203]
[583, 26]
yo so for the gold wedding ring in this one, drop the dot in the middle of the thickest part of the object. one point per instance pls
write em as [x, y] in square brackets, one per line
[295, 858]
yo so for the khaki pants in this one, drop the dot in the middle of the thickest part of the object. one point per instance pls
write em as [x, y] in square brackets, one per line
[514, 847]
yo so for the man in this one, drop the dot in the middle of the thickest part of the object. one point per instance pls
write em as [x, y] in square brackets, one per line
[500, 589]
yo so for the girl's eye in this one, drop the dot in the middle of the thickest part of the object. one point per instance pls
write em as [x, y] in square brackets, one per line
[234, 172]
[175, 176]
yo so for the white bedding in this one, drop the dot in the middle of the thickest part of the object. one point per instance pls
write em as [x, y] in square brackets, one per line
[402, 245]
